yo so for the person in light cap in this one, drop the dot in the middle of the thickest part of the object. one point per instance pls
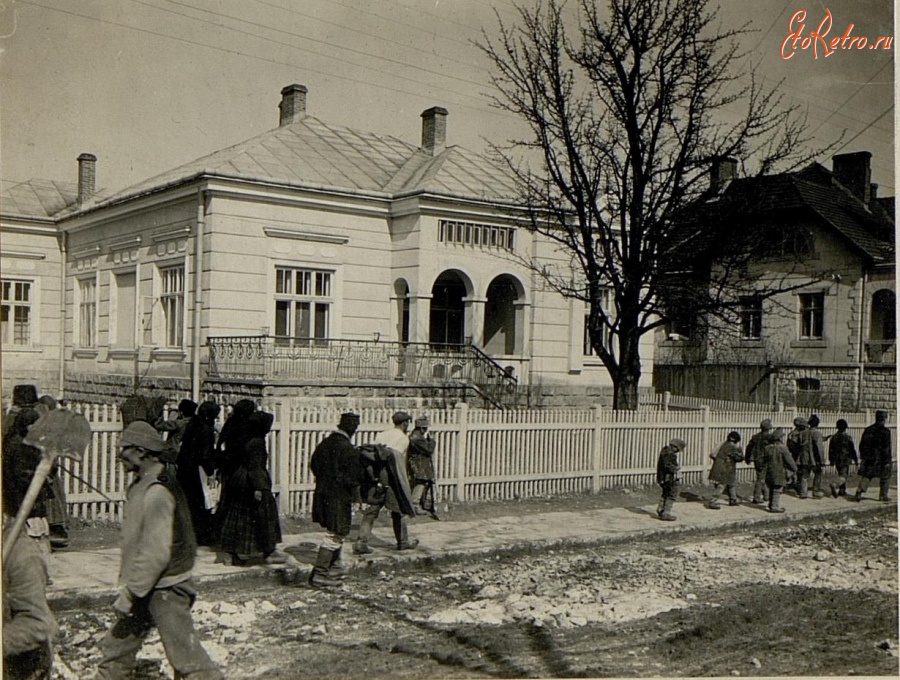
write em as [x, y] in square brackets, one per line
[421, 468]
[875, 458]
[753, 455]
[158, 551]
[338, 470]
[667, 468]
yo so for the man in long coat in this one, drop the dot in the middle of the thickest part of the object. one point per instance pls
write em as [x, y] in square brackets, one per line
[338, 470]
[776, 461]
[875, 457]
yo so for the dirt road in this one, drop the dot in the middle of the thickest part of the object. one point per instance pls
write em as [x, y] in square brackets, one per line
[812, 598]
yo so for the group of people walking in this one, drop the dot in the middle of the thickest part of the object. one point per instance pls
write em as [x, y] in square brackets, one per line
[794, 460]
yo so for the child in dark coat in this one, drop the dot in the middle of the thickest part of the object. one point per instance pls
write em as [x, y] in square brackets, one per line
[777, 463]
[667, 468]
[724, 469]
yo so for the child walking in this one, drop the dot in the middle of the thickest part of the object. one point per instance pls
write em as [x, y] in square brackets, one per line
[667, 468]
[724, 469]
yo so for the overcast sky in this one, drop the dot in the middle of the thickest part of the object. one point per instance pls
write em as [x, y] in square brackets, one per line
[147, 85]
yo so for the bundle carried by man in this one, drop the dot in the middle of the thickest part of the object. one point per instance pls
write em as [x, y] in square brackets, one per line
[387, 482]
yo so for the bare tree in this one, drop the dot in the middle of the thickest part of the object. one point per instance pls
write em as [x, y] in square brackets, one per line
[628, 104]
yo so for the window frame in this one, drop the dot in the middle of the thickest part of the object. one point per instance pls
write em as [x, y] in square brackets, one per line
[750, 312]
[12, 304]
[173, 337]
[315, 291]
[87, 324]
[816, 320]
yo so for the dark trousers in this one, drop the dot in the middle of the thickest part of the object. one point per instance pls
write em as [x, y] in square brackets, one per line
[169, 609]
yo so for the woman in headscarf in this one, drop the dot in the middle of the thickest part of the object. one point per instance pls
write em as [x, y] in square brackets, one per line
[249, 522]
[234, 435]
[196, 461]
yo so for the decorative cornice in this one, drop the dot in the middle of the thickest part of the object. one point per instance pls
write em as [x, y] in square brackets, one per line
[172, 234]
[85, 252]
[125, 243]
[23, 254]
[296, 235]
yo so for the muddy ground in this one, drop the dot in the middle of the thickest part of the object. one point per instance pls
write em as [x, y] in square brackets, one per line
[810, 598]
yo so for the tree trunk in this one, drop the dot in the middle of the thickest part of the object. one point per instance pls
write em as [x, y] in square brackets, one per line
[626, 379]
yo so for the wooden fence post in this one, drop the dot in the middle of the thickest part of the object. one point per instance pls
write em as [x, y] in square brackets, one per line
[284, 458]
[705, 445]
[462, 423]
[595, 448]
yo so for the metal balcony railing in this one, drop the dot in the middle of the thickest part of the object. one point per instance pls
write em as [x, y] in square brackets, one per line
[881, 351]
[287, 358]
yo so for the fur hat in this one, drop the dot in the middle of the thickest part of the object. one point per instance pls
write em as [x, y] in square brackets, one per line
[186, 407]
[348, 421]
[422, 421]
[209, 410]
[766, 424]
[881, 415]
[677, 443]
[143, 435]
[734, 436]
[400, 417]
[841, 424]
[24, 395]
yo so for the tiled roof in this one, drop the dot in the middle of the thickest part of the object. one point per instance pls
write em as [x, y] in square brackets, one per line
[812, 191]
[36, 197]
[313, 153]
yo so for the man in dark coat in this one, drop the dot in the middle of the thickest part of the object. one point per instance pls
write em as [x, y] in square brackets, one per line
[875, 457]
[667, 468]
[754, 455]
[841, 453]
[338, 470]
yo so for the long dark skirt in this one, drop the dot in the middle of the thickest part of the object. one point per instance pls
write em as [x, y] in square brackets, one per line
[247, 526]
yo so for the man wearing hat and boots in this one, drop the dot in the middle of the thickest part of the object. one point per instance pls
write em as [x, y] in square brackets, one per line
[753, 455]
[421, 468]
[158, 550]
[667, 468]
[338, 470]
[393, 483]
[875, 458]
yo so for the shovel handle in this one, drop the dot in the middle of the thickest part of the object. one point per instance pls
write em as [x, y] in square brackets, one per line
[34, 488]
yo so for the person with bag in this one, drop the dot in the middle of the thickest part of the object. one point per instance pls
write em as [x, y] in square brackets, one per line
[155, 577]
[338, 471]
[724, 469]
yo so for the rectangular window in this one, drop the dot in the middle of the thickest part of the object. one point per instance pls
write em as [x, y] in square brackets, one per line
[473, 234]
[809, 393]
[87, 312]
[16, 312]
[750, 311]
[172, 302]
[126, 310]
[302, 303]
[812, 316]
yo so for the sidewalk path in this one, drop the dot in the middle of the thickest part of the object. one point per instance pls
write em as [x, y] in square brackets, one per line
[95, 572]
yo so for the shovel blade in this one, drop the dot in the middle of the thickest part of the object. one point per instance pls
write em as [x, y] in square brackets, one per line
[60, 433]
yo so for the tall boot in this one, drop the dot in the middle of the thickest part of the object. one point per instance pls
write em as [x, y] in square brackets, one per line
[713, 503]
[338, 569]
[319, 576]
[732, 496]
[667, 515]
[775, 501]
[361, 546]
[401, 533]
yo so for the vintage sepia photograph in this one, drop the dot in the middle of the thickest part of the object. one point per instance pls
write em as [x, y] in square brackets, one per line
[448, 338]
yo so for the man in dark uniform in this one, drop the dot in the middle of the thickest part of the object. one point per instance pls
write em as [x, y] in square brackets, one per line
[875, 457]
[158, 551]
[338, 470]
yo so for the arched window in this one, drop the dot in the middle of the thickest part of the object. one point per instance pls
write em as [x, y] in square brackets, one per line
[500, 317]
[447, 322]
[883, 325]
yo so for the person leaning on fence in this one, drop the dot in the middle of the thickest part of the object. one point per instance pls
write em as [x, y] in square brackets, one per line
[818, 449]
[753, 455]
[875, 458]
[28, 623]
[158, 552]
[667, 469]
[724, 469]
[777, 460]
[800, 444]
[338, 472]
[421, 468]
[387, 485]
[841, 453]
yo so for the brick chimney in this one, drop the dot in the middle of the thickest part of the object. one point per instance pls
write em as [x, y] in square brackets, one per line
[293, 104]
[434, 130]
[854, 171]
[87, 176]
[721, 172]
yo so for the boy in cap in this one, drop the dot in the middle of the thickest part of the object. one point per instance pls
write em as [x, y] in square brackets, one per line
[667, 468]
[841, 453]
[724, 469]
[875, 458]
[158, 550]
[338, 470]
[776, 461]
[754, 455]
[421, 467]
[394, 482]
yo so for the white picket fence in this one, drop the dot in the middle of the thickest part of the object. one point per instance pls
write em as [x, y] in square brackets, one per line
[481, 454]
